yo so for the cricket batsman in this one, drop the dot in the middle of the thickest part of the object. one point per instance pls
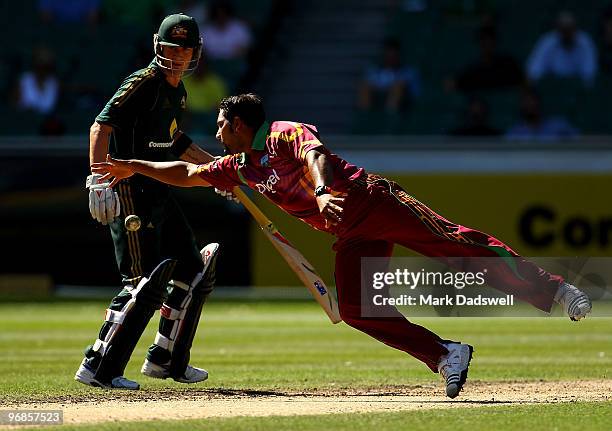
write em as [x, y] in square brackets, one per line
[287, 163]
[155, 249]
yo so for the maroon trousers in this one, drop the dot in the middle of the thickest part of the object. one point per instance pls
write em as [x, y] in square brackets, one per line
[378, 214]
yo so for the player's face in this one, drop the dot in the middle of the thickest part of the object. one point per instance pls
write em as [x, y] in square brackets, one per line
[225, 135]
[180, 57]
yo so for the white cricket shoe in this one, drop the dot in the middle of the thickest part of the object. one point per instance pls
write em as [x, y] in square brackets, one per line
[191, 374]
[86, 376]
[454, 367]
[574, 301]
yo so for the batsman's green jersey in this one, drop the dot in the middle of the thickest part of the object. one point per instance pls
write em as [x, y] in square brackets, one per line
[144, 113]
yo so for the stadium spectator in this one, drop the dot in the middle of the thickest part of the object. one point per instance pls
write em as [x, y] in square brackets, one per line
[492, 71]
[227, 38]
[476, 122]
[205, 89]
[534, 126]
[564, 52]
[38, 89]
[69, 11]
[390, 85]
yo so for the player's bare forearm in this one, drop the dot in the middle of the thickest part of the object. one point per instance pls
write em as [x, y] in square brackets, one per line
[182, 174]
[98, 142]
[320, 169]
[195, 154]
[322, 174]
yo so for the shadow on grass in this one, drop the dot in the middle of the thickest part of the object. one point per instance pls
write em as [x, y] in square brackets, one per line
[410, 395]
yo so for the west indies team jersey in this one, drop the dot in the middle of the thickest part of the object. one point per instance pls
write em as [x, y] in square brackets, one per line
[277, 168]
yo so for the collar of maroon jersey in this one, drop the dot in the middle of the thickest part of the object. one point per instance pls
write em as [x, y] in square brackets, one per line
[259, 141]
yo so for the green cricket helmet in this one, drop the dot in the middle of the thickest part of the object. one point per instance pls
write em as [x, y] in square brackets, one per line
[178, 30]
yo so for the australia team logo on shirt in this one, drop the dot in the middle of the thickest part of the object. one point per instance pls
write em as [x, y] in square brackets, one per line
[160, 144]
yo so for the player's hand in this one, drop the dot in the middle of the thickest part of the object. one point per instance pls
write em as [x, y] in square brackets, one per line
[225, 193]
[104, 203]
[331, 209]
[113, 168]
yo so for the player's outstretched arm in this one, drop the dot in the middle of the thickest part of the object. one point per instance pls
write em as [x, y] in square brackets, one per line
[180, 174]
[188, 151]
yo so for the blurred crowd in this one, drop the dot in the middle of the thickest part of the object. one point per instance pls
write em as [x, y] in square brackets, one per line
[570, 57]
[57, 78]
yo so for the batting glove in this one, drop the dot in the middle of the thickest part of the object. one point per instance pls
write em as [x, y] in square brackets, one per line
[103, 201]
[227, 195]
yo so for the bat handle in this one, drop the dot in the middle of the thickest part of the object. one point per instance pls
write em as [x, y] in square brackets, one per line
[259, 216]
[242, 197]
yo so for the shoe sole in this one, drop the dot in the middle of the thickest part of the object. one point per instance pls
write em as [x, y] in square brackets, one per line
[86, 380]
[91, 382]
[178, 379]
[581, 316]
[453, 390]
[84, 376]
[584, 305]
[97, 384]
[149, 372]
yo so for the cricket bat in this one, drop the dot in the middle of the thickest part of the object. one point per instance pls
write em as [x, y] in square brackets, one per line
[294, 258]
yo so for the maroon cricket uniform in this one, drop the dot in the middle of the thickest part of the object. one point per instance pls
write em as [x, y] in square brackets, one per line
[378, 213]
[277, 169]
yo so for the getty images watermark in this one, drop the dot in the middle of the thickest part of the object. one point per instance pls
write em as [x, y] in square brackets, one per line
[501, 286]
[412, 280]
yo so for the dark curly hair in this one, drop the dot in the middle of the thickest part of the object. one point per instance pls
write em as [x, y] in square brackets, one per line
[249, 107]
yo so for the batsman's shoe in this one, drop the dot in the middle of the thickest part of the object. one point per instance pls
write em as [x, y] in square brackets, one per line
[574, 301]
[454, 367]
[86, 376]
[191, 374]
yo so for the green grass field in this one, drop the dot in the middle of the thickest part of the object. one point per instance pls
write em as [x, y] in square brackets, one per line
[291, 346]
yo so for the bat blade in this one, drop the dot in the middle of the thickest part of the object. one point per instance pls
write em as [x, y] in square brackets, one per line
[298, 263]
[306, 273]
